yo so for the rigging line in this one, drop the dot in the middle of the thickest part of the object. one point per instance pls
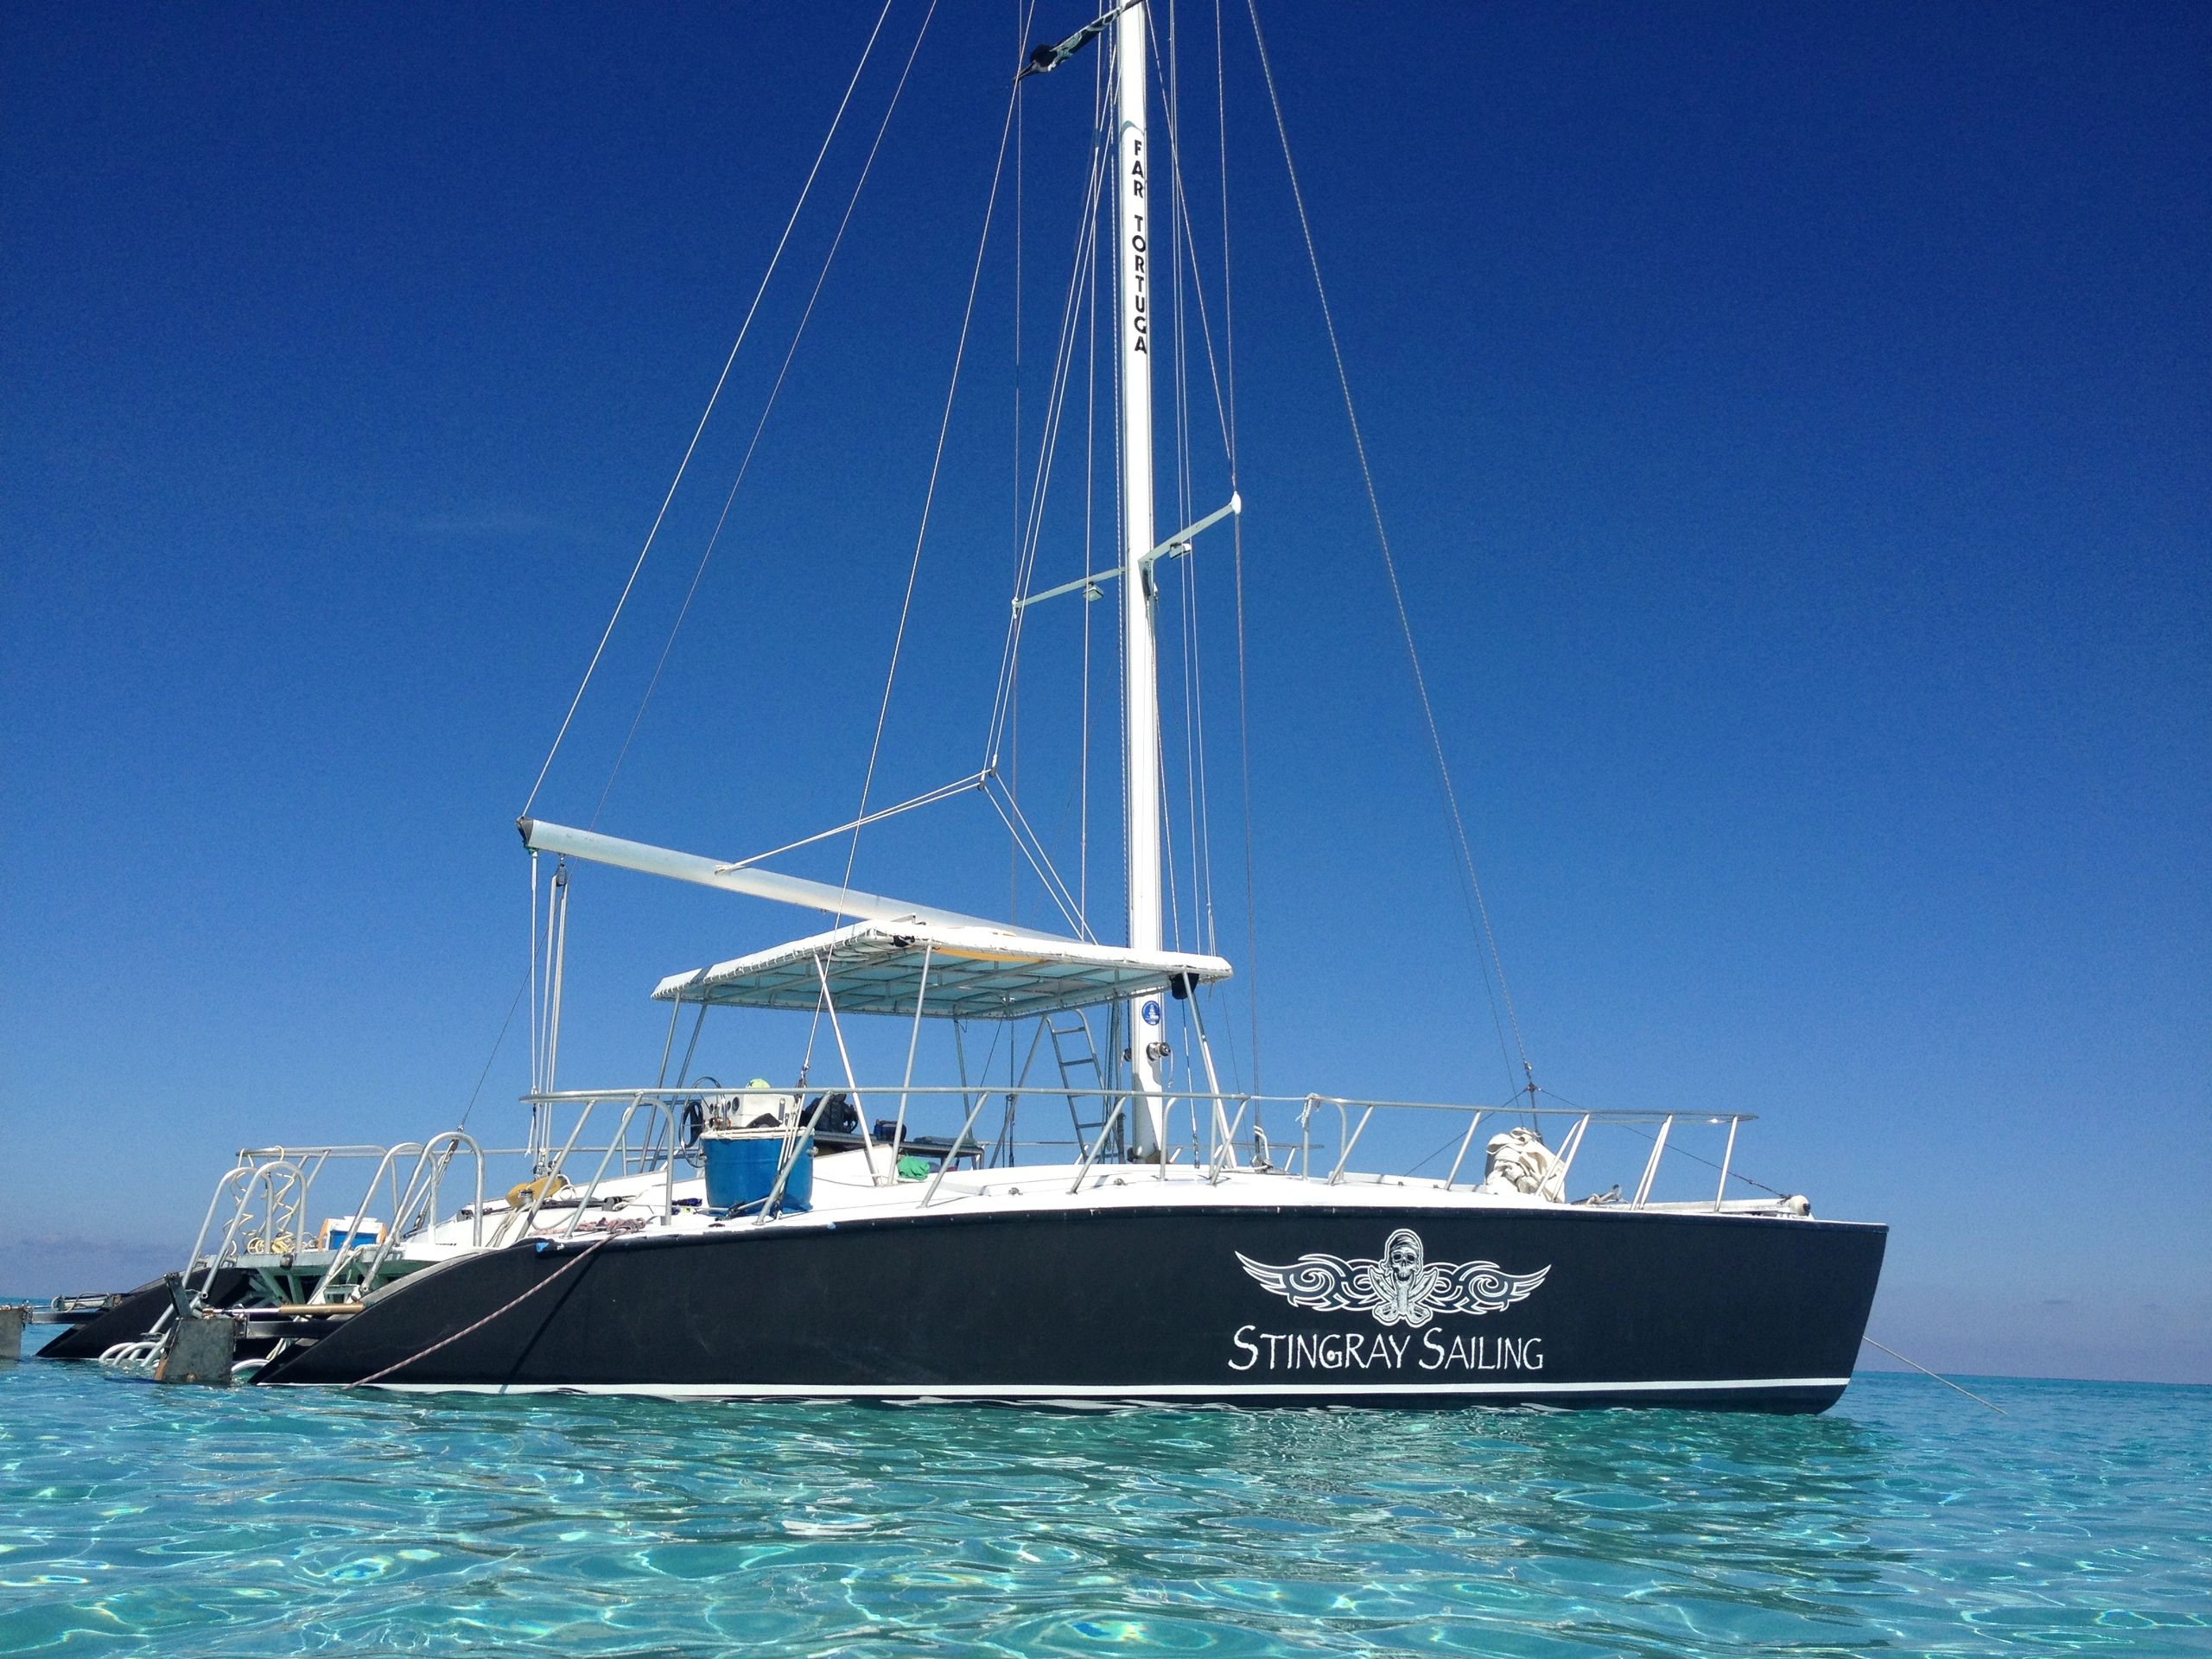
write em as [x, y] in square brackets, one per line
[1167, 853]
[1179, 436]
[1170, 91]
[492, 1056]
[929, 497]
[1034, 534]
[533, 970]
[1672, 1146]
[549, 994]
[1003, 710]
[1031, 531]
[1048, 444]
[1945, 1381]
[1450, 1141]
[1183, 235]
[1206, 790]
[761, 426]
[714, 397]
[1390, 565]
[1181, 206]
[1069, 806]
[1012, 667]
[1089, 518]
[1025, 837]
[1132, 592]
[927, 797]
[1237, 534]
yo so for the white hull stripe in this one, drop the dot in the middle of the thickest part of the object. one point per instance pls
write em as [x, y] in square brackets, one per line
[1133, 1391]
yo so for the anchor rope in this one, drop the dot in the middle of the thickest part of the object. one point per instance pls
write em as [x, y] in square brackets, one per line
[1924, 1371]
[553, 1278]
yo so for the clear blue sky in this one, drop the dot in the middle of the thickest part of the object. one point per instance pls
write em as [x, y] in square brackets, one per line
[1792, 423]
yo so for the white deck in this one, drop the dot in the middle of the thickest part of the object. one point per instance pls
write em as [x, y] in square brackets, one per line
[844, 1193]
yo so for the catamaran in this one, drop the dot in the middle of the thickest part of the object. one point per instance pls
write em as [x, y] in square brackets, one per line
[1110, 1223]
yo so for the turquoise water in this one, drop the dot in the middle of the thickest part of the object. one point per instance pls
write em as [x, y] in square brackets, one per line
[185, 1522]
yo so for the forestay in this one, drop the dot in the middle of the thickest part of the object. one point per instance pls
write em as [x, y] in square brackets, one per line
[953, 972]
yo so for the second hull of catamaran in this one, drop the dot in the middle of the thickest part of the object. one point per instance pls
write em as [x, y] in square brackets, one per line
[1193, 1293]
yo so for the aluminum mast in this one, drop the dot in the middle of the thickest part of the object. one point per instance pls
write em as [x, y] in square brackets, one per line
[1144, 1020]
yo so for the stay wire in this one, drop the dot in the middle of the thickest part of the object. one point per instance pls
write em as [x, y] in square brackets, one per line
[520, 991]
[1013, 666]
[1679, 1150]
[929, 497]
[1032, 531]
[1179, 208]
[760, 427]
[1481, 910]
[713, 397]
[1237, 537]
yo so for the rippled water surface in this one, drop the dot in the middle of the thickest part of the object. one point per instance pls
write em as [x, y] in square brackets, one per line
[184, 1522]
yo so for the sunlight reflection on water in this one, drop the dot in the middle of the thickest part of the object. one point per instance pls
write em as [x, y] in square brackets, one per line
[188, 1521]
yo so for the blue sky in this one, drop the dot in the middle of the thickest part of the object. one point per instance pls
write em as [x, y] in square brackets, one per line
[1792, 425]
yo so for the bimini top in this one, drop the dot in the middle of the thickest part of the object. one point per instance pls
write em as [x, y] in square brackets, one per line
[955, 972]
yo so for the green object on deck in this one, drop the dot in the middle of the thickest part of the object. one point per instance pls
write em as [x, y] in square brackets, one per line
[913, 1169]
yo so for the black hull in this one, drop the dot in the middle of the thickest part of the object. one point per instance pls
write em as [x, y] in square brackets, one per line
[1633, 1308]
[133, 1316]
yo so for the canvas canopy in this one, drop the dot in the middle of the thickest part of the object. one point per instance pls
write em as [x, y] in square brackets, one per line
[972, 972]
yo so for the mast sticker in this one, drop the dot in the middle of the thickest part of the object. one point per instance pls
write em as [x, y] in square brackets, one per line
[1399, 1287]
[1139, 324]
[1150, 1012]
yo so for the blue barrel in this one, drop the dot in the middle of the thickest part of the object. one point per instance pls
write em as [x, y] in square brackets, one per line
[741, 1167]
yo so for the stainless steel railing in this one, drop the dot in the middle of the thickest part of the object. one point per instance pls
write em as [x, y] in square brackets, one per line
[1303, 1137]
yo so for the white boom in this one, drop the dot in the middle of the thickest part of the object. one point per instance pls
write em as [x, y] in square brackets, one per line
[541, 837]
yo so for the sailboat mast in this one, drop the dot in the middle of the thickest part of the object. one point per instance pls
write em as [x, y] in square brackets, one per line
[1146, 1021]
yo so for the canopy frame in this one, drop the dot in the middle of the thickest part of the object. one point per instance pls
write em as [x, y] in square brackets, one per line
[928, 969]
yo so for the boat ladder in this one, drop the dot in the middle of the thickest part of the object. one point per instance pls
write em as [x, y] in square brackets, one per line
[1076, 1054]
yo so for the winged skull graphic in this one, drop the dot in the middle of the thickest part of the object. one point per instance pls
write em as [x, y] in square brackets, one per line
[1400, 1287]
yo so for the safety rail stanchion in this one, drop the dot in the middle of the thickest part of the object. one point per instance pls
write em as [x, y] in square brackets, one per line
[1224, 1155]
[543, 1181]
[1350, 1140]
[913, 1042]
[852, 1084]
[656, 1109]
[266, 1173]
[423, 1185]
[215, 1201]
[1727, 1156]
[953, 1151]
[1651, 1163]
[1105, 1133]
[350, 1251]
[1466, 1141]
[795, 1138]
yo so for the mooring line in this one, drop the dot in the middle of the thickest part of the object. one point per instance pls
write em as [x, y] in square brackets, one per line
[576, 1261]
[1917, 1366]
